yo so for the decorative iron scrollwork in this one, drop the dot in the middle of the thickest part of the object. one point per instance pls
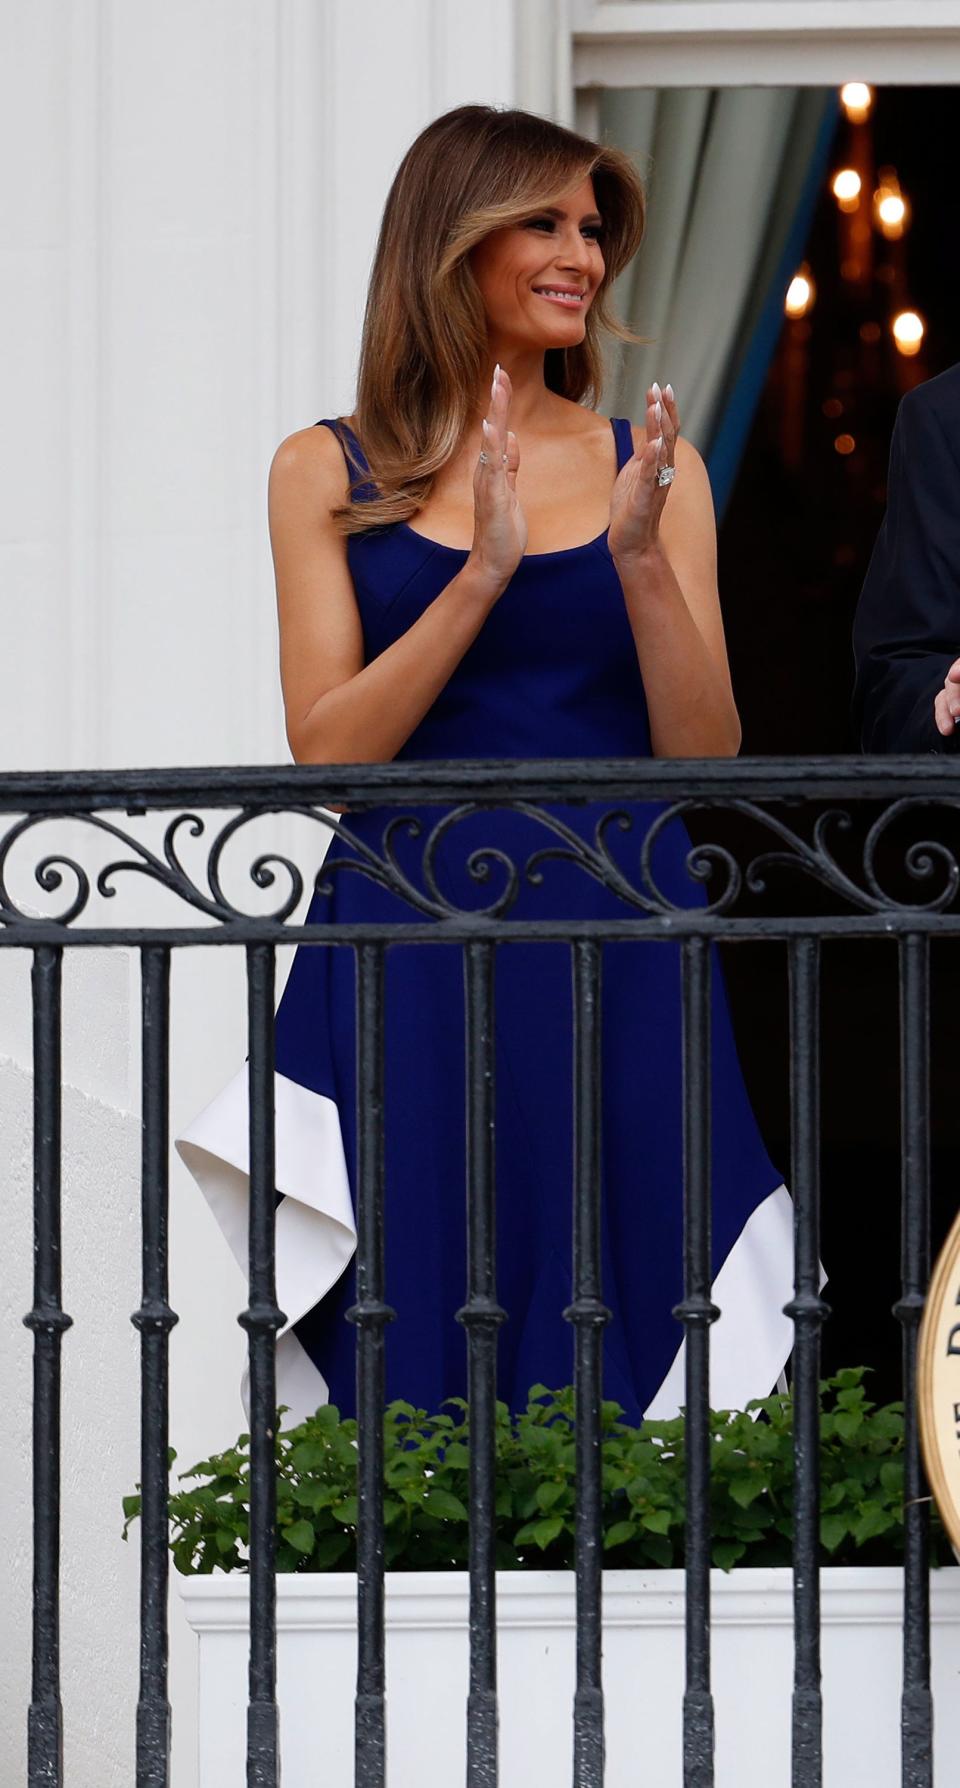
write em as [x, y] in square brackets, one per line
[719, 875]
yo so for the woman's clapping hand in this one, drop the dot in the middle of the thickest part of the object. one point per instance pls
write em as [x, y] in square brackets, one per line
[638, 499]
[637, 502]
[500, 526]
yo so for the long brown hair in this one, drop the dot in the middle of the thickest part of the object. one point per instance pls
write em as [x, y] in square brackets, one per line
[473, 170]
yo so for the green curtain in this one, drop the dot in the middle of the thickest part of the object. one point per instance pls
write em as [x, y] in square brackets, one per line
[725, 171]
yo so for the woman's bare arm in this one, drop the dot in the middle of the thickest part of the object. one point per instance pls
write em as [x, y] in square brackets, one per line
[674, 610]
[337, 709]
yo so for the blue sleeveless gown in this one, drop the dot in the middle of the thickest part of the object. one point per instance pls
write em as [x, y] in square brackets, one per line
[552, 673]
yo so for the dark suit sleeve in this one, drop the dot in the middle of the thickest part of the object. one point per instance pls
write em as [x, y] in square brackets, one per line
[906, 633]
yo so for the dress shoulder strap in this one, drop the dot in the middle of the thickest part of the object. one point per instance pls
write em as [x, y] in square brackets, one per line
[624, 439]
[362, 487]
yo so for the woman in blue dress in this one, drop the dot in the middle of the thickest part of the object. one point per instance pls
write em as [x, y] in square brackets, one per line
[477, 564]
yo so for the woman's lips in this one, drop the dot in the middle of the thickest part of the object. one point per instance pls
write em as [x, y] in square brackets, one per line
[572, 300]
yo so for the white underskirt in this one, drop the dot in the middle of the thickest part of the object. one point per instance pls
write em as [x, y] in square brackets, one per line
[316, 1231]
[316, 1238]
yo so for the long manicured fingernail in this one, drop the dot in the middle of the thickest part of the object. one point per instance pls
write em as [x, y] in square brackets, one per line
[671, 394]
[496, 375]
[488, 431]
[658, 410]
[656, 389]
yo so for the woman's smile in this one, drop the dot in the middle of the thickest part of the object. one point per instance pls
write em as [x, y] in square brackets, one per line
[571, 296]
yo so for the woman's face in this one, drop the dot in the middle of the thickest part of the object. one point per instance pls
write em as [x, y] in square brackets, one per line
[538, 278]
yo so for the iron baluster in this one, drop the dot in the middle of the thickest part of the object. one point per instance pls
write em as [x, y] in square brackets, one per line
[154, 1320]
[262, 1319]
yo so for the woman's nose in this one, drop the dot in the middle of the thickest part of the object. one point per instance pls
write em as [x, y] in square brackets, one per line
[575, 253]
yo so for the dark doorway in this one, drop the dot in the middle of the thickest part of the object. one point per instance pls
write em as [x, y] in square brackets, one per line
[794, 547]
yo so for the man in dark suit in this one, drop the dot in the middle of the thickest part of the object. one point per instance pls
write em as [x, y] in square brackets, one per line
[906, 634]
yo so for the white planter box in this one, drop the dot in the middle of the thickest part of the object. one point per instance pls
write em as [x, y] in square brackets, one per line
[643, 1674]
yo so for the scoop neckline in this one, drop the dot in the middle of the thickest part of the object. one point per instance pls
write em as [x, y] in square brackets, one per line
[556, 552]
[463, 552]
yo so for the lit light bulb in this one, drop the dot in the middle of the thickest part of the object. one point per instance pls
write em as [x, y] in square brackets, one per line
[890, 208]
[908, 332]
[801, 293]
[846, 189]
[857, 101]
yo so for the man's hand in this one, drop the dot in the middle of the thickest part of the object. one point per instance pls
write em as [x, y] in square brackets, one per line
[946, 708]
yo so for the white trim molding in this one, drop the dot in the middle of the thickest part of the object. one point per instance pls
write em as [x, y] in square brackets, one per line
[758, 43]
[544, 76]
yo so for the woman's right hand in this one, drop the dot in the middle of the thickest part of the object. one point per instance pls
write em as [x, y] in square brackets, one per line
[500, 526]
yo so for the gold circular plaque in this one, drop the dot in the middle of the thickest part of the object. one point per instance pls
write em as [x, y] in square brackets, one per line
[938, 1383]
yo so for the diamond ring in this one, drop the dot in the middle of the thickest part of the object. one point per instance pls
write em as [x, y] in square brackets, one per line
[666, 474]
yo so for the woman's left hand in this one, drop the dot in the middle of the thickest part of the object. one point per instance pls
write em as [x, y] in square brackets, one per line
[637, 501]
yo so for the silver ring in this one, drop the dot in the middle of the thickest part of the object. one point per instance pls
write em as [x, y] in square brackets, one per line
[666, 474]
[485, 459]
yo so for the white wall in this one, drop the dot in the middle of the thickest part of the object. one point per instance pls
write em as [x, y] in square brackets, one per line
[190, 197]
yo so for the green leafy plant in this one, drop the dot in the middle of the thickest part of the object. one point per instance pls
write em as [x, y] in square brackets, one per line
[426, 1488]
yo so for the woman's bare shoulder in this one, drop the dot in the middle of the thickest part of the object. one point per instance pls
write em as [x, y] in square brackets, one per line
[310, 462]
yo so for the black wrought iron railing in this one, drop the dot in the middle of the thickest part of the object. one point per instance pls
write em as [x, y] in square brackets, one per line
[868, 837]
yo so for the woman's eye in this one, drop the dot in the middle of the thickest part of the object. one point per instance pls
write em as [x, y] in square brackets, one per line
[547, 223]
